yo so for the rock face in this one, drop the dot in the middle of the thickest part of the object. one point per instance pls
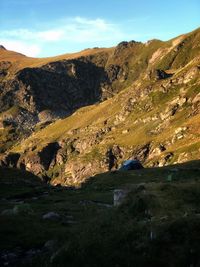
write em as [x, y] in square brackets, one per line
[59, 86]
[158, 74]
[40, 161]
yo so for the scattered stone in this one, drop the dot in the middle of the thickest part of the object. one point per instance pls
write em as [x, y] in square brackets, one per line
[35, 198]
[156, 151]
[179, 134]
[119, 196]
[51, 216]
[183, 157]
[125, 131]
[165, 159]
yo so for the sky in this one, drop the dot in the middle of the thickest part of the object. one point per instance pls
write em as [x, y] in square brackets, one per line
[42, 28]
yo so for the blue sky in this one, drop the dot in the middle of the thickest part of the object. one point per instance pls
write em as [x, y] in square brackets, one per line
[41, 28]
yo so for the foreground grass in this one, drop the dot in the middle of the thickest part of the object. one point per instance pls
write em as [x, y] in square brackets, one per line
[159, 217]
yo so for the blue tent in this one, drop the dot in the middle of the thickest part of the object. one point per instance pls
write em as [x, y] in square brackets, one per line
[131, 165]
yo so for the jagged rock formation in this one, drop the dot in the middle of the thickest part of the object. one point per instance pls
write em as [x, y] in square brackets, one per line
[70, 117]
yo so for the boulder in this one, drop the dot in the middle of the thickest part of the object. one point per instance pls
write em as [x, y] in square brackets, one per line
[156, 151]
[119, 196]
[39, 161]
[51, 216]
[141, 152]
[165, 159]
[180, 133]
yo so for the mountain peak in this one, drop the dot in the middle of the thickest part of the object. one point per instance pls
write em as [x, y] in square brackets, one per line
[2, 47]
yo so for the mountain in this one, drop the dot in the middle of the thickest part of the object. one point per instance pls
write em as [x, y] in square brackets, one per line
[67, 118]
[70, 117]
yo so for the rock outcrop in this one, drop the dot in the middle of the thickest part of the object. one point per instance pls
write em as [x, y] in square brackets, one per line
[2, 47]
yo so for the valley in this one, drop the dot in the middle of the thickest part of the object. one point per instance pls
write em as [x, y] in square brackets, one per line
[68, 122]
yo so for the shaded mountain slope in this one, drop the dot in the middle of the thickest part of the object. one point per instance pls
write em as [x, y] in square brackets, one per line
[158, 218]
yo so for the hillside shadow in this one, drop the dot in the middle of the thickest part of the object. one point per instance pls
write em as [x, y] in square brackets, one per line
[12, 178]
[64, 86]
[15, 183]
[114, 179]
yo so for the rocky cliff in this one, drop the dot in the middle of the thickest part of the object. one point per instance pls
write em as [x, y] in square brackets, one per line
[68, 118]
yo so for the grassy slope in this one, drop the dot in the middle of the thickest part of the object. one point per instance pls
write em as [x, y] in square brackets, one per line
[138, 133]
[171, 196]
[141, 58]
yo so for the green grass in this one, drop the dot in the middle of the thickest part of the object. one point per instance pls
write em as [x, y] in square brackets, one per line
[99, 231]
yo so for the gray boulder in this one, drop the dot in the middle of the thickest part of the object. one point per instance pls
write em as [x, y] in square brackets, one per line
[51, 216]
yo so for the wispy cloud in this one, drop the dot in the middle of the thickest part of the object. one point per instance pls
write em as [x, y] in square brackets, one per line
[26, 48]
[70, 30]
[76, 29]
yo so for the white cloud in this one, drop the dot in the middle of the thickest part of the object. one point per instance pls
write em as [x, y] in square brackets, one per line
[22, 47]
[77, 30]
[51, 35]
[72, 29]
[97, 23]
[82, 30]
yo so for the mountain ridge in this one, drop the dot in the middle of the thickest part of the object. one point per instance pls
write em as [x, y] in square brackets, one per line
[91, 110]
